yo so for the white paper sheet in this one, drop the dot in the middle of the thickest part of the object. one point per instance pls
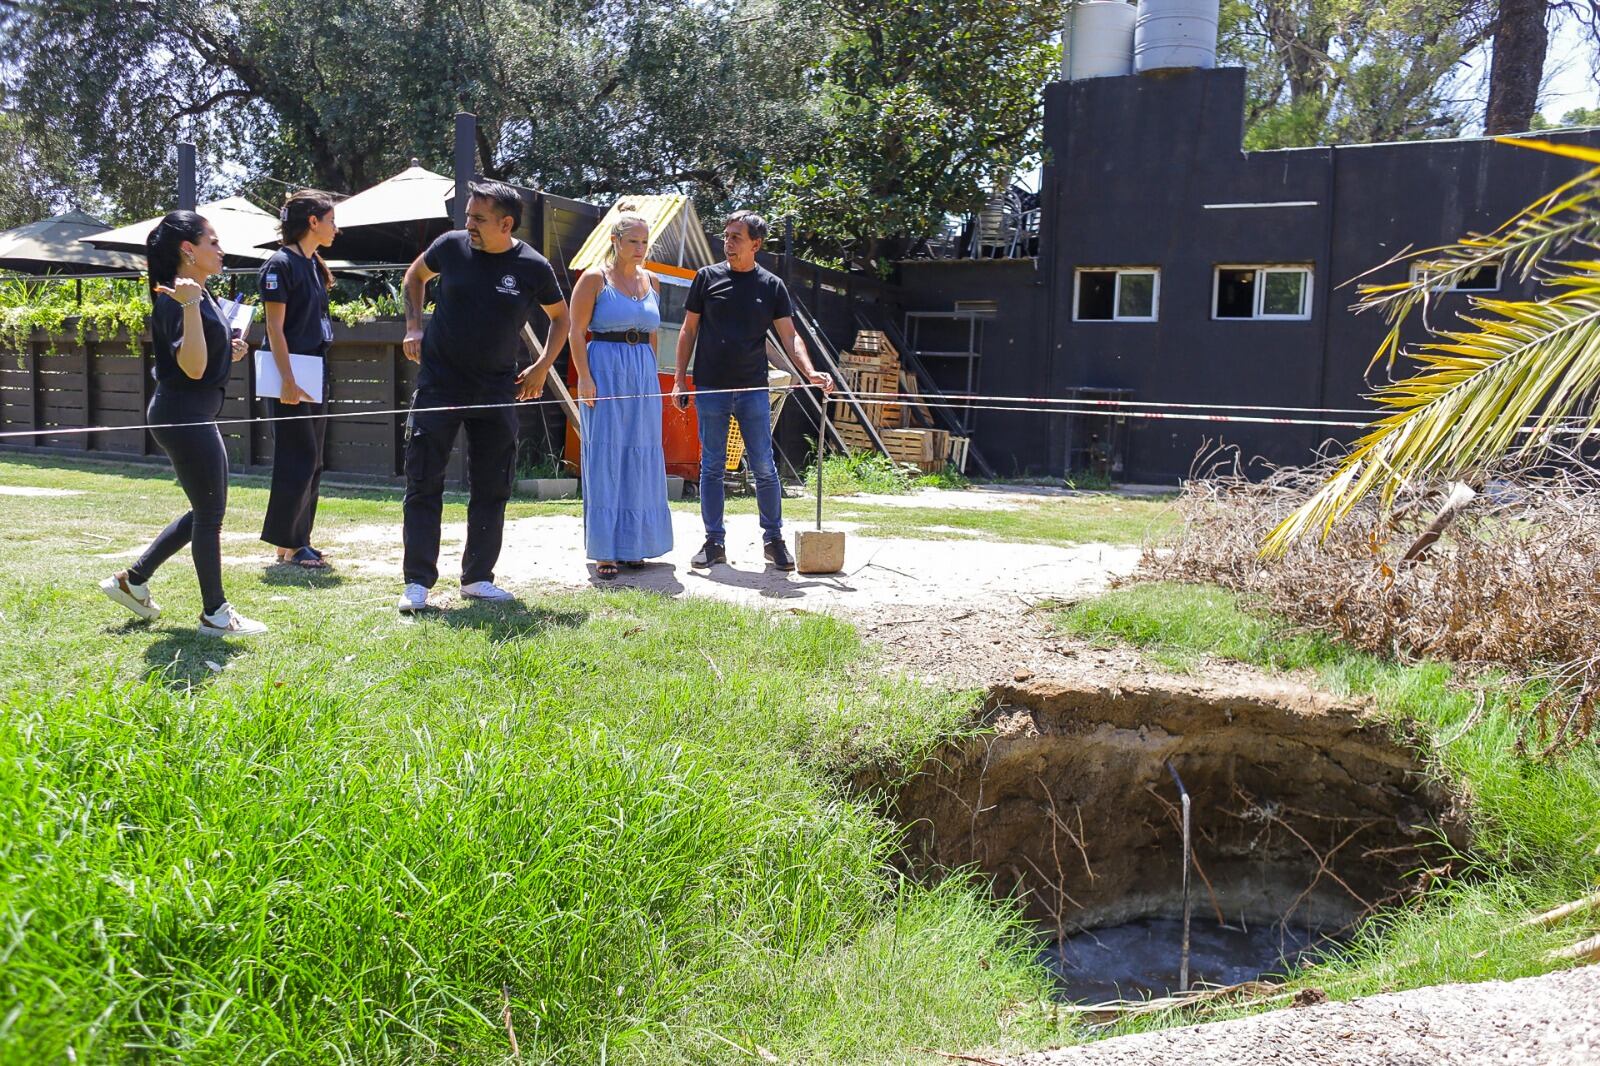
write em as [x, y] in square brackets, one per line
[307, 374]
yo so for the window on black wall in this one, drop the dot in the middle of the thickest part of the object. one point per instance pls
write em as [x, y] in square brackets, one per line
[1118, 294]
[1485, 278]
[1262, 292]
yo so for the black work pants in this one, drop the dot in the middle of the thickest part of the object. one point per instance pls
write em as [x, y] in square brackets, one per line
[491, 465]
[298, 443]
[201, 462]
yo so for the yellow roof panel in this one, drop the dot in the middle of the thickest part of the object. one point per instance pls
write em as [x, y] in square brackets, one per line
[676, 237]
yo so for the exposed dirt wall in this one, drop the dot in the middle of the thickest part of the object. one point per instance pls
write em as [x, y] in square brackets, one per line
[1303, 806]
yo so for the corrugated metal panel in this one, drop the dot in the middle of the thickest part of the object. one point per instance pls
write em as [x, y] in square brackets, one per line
[676, 237]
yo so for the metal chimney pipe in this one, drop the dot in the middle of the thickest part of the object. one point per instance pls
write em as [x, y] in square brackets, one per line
[186, 179]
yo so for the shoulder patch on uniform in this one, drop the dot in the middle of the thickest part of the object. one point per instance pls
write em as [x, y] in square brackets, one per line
[269, 281]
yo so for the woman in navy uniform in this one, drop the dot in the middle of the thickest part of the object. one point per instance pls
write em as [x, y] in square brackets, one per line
[294, 291]
[193, 353]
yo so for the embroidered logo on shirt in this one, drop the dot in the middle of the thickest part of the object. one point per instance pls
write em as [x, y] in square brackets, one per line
[508, 285]
[270, 281]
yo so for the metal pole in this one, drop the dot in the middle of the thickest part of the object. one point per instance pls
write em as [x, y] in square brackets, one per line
[465, 156]
[788, 250]
[1183, 956]
[822, 442]
[186, 182]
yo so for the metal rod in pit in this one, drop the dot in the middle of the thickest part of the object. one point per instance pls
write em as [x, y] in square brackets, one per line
[1183, 954]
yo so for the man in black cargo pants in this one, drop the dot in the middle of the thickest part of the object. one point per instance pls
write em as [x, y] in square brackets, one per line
[470, 353]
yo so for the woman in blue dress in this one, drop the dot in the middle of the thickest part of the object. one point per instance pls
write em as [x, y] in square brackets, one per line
[615, 315]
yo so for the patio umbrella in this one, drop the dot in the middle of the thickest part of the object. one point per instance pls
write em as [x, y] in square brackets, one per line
[395, 220]
[51, 246]
[242, 227]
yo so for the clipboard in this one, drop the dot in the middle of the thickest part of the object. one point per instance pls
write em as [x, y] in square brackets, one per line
[307, 374]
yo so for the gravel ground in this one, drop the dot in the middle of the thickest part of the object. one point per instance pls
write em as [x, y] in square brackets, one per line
[1553, 1020]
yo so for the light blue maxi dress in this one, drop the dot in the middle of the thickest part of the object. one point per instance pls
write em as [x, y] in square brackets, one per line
[625, 513]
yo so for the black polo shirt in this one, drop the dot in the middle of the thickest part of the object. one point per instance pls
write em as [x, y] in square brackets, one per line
[736, 308]
[472, 347]
[293, 280]
[166, 334]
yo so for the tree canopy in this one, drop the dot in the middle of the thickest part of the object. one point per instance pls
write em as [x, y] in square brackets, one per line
[585, 96]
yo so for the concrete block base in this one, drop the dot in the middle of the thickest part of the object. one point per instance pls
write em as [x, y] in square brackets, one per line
[819, 551]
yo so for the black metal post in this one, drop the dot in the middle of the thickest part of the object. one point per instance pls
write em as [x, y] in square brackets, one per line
[822, 442]
[1183, 955]
[465, 157]
[186, 178]
[788, 251]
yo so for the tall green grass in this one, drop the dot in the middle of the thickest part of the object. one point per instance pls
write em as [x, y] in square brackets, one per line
[348, 841]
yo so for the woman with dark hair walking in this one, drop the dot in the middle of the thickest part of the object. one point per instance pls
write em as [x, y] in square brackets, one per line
[192, 351]
[294, 291]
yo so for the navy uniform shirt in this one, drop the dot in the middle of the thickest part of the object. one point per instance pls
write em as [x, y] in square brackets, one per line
[166, 334]
[472, 347]
[736, 308]
[293, 280]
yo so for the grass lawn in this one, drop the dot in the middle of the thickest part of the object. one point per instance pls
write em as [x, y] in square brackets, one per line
[352, 840]
[1536, 822]
[1067, 521]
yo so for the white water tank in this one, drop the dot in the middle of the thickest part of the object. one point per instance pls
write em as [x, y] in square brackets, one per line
[1175, 35]
[1097, 40]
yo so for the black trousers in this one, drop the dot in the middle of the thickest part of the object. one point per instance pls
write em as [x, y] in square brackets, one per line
[297, 459]
[201, 462]
[491, 465]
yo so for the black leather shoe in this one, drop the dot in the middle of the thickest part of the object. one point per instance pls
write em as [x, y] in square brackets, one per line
[778, 555]
[710, 553]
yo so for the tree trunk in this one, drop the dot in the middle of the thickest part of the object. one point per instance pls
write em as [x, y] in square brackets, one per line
[1521, 40]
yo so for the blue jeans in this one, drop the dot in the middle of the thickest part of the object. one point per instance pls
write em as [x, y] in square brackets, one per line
[754, 412]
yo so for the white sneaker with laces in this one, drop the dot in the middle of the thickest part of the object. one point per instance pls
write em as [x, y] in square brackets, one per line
[136, 598]
[413, 599]
[226, 622]
[487, 591]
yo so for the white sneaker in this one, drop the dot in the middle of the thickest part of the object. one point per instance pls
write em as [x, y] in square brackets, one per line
[413, 599]
[136, 598]
[226, 622]
[487, 591]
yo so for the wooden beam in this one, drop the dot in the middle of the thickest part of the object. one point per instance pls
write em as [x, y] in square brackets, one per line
[553, 380]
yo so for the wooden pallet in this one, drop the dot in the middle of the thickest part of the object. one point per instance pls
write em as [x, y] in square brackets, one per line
[871, 341]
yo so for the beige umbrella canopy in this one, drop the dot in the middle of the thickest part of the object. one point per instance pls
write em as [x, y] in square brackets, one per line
[242, 227]
[395, 219]
[52, 246]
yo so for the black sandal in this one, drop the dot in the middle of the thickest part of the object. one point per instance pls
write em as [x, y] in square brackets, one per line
[634, 564]
[606, 571]
[308, 559]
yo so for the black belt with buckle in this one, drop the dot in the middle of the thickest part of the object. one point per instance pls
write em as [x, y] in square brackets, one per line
[625, 336]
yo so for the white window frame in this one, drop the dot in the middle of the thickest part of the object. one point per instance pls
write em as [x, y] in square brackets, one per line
[1116, 293]
[1499, 279]
[1259, 300]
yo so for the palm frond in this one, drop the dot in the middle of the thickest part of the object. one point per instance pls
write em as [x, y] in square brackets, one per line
[1565, 216]
[1519, 376]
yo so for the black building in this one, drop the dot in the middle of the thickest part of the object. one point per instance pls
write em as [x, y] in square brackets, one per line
[1176, 266]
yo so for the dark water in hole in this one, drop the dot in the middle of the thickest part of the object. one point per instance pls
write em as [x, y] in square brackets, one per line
[1140, 959]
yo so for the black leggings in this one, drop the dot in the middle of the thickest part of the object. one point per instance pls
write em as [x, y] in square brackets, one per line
[201, 462]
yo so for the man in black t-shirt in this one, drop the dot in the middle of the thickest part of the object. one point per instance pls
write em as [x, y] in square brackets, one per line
[470, 353]
[729, 309]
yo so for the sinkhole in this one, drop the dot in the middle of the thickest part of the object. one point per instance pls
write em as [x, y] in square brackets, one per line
[1307, 816]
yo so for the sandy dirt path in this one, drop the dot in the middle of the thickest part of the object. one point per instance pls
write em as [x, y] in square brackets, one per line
[1552, 1020]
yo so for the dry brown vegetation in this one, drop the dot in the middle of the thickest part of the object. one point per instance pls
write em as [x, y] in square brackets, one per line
[1513, 582]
